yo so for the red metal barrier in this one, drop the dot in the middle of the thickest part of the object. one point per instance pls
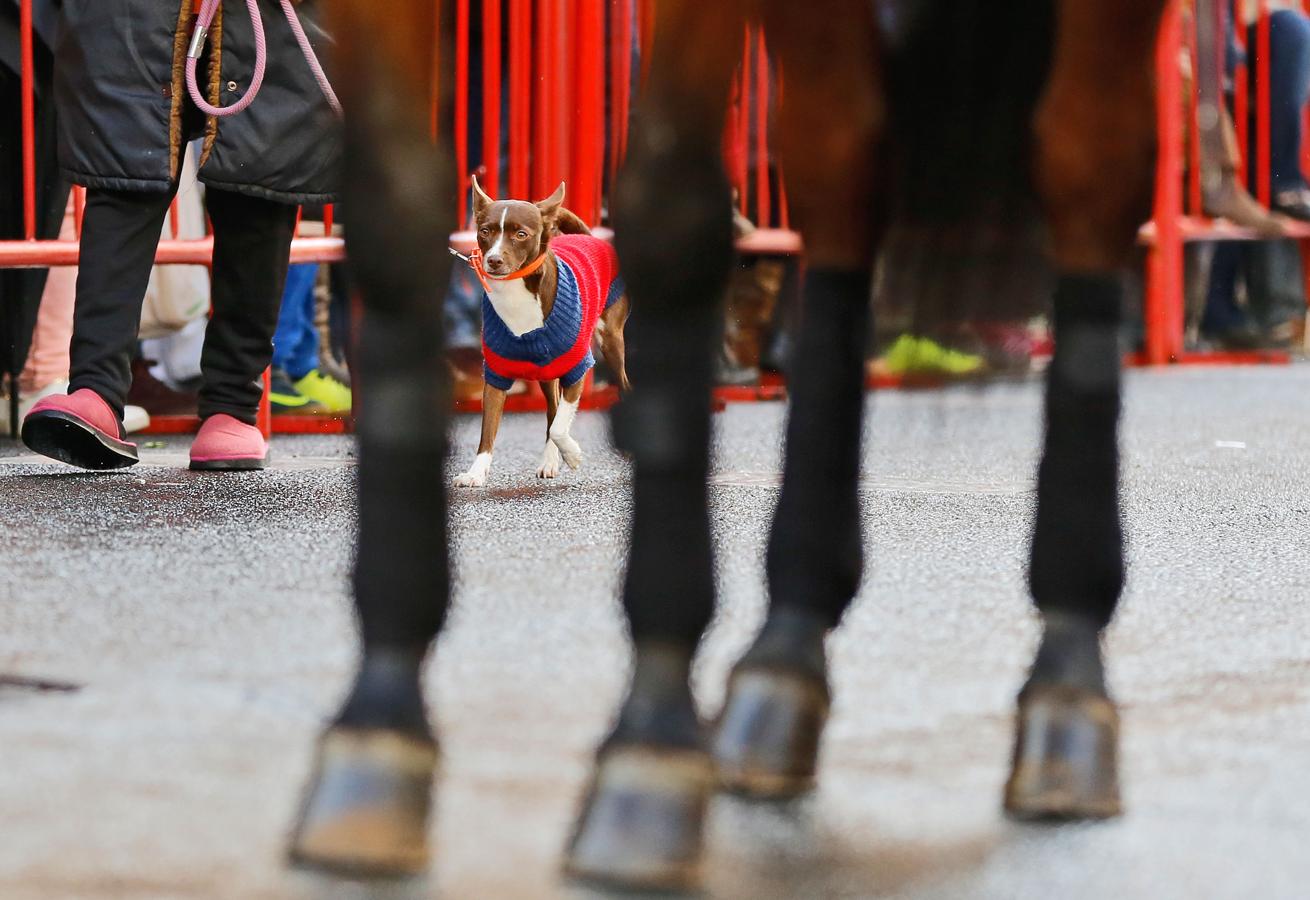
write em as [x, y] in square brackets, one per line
[553, 84]
[1172, 225]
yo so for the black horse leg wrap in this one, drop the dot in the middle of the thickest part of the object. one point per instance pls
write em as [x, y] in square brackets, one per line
[1077, 562]
[815, 558]
[402, 578]
[664, 424]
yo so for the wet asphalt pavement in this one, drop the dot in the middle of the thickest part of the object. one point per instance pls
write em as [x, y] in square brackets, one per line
[206, 622]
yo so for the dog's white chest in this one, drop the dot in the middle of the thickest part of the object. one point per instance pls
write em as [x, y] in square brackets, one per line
[517, 307]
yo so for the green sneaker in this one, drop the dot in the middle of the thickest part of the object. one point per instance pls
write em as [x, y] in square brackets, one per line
[285, 399]
[325, 390]
[921, 356]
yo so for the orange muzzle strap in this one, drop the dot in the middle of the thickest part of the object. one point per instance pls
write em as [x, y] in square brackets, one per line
[475, 260]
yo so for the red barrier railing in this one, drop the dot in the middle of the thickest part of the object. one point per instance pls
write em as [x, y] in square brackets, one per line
[552, 93]
[1178, 216]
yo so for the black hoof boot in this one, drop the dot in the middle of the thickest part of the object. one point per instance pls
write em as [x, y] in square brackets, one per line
[766, 745]
[1065, 756]
[366, 810]
[1067, 741]
[643, 817]
[643, 820]
[767, 742]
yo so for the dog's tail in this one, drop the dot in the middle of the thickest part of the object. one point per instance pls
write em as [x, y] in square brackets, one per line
[567, 222]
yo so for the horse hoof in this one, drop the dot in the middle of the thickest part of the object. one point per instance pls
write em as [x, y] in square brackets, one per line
[366, 810]
[767, 742]
[641, 824]
[1065, 757]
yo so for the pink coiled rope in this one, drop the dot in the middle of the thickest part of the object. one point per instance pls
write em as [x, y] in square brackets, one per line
[205, 18]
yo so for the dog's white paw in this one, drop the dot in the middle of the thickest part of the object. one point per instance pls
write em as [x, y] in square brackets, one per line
[571, 451]
[470, 479]
[550, 460]
[476, 476]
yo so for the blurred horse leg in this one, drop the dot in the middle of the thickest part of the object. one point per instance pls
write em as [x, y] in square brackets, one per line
[768, 736]
[1095, 130]
[366, 807]
[641, 822]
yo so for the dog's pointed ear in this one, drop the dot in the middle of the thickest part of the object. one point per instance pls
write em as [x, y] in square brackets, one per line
[551, 204]
[480, 199]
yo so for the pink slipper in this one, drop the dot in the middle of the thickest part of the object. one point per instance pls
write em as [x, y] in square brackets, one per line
[225, 444]
[79, 429]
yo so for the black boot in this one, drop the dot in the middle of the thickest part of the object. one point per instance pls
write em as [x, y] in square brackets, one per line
[1066, 747]
[643, 816]
[766, 744]
[369, 798]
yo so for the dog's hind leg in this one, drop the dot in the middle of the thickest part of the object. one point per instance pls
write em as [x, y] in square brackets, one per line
[550, 458]
[1097, 117]
[610, 338]
[561, 424]
[641, 823]
[766, 743]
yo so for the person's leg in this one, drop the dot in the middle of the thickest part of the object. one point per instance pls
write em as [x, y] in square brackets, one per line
[641, 822]
[84, 428]
[1289, 89]
[1097, 116]
[252, 244]
[1222, 315]
[295, 342]
[367, 805]
[767, 742]
[48, 360]
[120, 233]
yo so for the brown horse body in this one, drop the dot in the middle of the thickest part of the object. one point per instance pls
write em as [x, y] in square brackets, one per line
[1091, 164]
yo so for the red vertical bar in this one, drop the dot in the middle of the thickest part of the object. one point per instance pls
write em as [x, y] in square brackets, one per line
[1241, 91]
[79, 208]
[1193, 120]
[491, 86]
[589, 93]
[434, 124]
[1305, 126]
[621, 25]
[784, 213]
[763, 201]
[1262, 111]
[174, 224]
[264, 415]
[562, 103]
[461, 125]
[646, 26]
[329, 215]
[541, 89]
[632, 39]
[520, 96]
[1164, 293]
[28, 121]
[741, 153]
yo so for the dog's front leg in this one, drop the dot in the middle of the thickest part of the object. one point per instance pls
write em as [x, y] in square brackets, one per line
[493, 405]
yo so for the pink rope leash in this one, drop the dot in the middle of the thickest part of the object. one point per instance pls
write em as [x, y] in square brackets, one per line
[205, 18]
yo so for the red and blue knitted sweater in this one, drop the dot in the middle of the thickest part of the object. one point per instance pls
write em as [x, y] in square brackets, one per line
[587, 283]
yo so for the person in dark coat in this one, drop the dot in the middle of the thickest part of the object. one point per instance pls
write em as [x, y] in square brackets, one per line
[125, 121]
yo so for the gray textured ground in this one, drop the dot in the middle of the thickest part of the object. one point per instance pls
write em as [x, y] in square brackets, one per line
[207, 620]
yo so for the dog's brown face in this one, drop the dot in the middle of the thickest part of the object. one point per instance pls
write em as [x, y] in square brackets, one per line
[512, 233]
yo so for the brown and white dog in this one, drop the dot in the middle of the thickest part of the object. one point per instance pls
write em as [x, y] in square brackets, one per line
[552, 293]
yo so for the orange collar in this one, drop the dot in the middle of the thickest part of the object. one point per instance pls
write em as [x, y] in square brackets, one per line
[475, 260]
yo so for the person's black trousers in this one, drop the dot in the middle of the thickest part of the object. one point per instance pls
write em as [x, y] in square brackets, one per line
[120, 233]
